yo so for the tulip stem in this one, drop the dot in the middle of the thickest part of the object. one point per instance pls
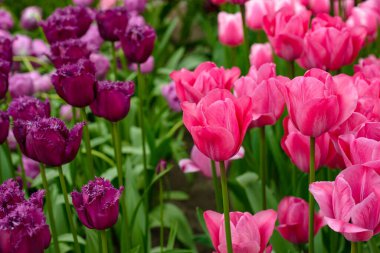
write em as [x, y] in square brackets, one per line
[263, 167]
[246, 41]
[141, 88]
[86, 134]
[103, 234]
[23, 176]
[114, 61]
[9, 158]
[117, 149]
[373, 247]
[50, 208]
[161, 215]
[218, 197]
[68, 210]
[292, 67]
[311, 199]
[354, 247]
[226, 206]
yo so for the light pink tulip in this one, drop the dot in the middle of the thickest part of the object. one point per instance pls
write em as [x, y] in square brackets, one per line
[22, 45]
[317, 104]
[260, 54]
[366, 18]
[198, 162]
[255, 10]
[218, 123]
[293, 217]
[319, 6]
[369, 67]
[250, 233]
[230, 29]
[262, 86]
[351, 204]
[192, 86]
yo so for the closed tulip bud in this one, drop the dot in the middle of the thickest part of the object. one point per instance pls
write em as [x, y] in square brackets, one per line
[30, 17]
[366, 18]
[293, 220]
[98, 204]
[135, 5]
[71, 78]
[138, 43]
[6, 20]
[21, 84]
[11, 195]
[28, 108]
[66, 113]
[169, 93]
[4, 126]
[260, 54]
[230, 29]
[250, 233]
[3, 85]
[101, 64]
[218, 123]
[42, 83]
[68, 52]
[83, 17]
[6, 49]
[92, 39]
[111, 22]
[350, 204]
[48, 141]
[255, 10]
[22, 45]
[117, 93]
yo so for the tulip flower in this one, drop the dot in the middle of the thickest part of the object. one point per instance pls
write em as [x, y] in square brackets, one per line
[11, 195]
[71, 78]
[218, 123]
[138, 42]
[230, 29]
[40, 49]
[42, 83]
[83, 2]
[98, 204]
[101, 64]
[3, 85]
[32, 168]
[319, 6]
[198, 162]
[350, 205]
[6, 20]
[192, 86]
[116, 93]
[66, 113]
[6, 49]
[286, 30]
[366, 18]
[68, 52]
[145, 67]
[368, 67]
[250, 233]
[47, 140]
[260, 54]
[111, 22]
[22, 45]
[169, 93]
[317, 104]
[28, 108]
[21, 84]
[92, 39]
[293, 220]
[135, 5]
[82, 16]
[30, 17]
[262, 86]
[4, 126]
[255, 10]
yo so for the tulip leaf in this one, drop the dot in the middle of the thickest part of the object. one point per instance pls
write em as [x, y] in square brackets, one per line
[69, 238]
[172, 235]
[176, 195]
[51, 174]
[175, 58]
[92, 241]
[165, 38]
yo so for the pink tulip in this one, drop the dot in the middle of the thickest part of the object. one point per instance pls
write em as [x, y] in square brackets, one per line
[366, 18]
[369, 67]
[250, 233]
[198, 162]
[192, 86]
[255, 10]
[260, 54]
[319, 6]
[351, 204]
[230, 29]
[285, 30]
[262, 86]
[293, 214]
[219, 2]
[330, 44]
[218, 123]
[317, 104]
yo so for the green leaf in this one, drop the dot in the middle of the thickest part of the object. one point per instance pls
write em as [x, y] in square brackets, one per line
[92, 241]
[69, 238]
[176, 195]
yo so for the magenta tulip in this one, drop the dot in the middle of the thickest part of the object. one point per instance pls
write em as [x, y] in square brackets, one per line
[6, 20]
[6, 49]
[3, 85]
[260, 54]
[28, 108]
[230, 29]
[255, 10]
[111, 22]
[21, 84]
[101, 64]
[366, 18]
[4, 126]
[22, 45]
[368, 67]
[11, 195]
[68, 52]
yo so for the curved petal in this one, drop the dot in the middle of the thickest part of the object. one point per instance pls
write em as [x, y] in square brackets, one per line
[351, 232]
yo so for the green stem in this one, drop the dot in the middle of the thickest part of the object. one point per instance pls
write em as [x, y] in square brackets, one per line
[354, 247]
[68, 210]
[50, 208]
[86, 135]
[27, 64]
[9, 158]
[141, 89]
[311, 199]
[292, 67]
[360, 247]
[114, 61]
[246, 41]
[117, 149]
[161, 215]
[23, 175]
[103, 234]
[263, 167]
[226, 206]
[218, 197]
[372, 245]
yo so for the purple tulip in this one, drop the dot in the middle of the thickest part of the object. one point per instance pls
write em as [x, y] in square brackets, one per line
[102, 65]
[22, 45]
[69, 51]
[39, 48]
[111, 22]
[66, 113]
[47, 140]
[32, 168]
[3, 85]
[11, 141]
[21, 84]
[98, 204]
[6, 49]
[170, 94]
[135, 5]
[83, 2]
[30, 17]
[4, 126]
[6, 21]
[146, 67]
[116, 93]
[42, 83]
[82, 16]
[138, 43]
[92, 39]
[71, 78]
[5, 66]
[28, 108]
[11, 195]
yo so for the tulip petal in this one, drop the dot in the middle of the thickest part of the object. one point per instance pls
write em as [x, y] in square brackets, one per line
[265, 221]
[366, 214]
[322, 192]
[213, 221]
[351, 232]
[73, 142]
[342, 200]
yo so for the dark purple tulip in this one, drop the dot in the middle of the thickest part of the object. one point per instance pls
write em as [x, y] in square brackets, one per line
[11, 195]
[68, 51]
[111, 22]
[30, 17]
[48, 141]
[59, 28]
[113, 100]
[28, 108]
[82, 17]
[24, 230]
[76, 83]
[5, 49]
[138, 43]
[98, 204]
[5, 66]
[135, 5]
[4, 126]
[3, 85]
[21, 84]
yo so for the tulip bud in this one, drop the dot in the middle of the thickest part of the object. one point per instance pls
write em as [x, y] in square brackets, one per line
[101, 64]
[138, 43]
[111, 22]
[230, 29]
[161, 166]
[135, 5]
[255, 10]
[30, 17]
[40, 49]
[21, 84]
[98, 204]
[28, 108]
[4, 126]
[68, 51]
[169, 93]
[260, 54]
[6, 20]
[71, 78]
[116, 93]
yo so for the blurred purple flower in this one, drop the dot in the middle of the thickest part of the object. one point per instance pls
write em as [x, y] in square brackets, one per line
[146, 67]
[135, 5]
[170, 94]
[4, 126]
[6, 20]
[22, 45]
[21, 84]
[11, 195]
[102, 65]
[83, 2]
[92, 38]
[32, 168]
[30, 17]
